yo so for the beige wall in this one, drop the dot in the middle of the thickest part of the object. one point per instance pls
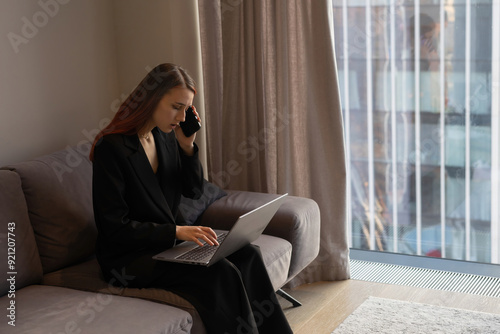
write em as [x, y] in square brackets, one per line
[58, 73]
[161, 31]
[65, 65]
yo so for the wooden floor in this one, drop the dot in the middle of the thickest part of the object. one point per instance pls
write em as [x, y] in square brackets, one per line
[326, 304]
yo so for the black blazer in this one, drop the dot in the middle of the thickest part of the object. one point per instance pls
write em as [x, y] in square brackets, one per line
[136, 210]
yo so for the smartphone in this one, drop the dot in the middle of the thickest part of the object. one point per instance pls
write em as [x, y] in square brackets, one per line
[191, 124]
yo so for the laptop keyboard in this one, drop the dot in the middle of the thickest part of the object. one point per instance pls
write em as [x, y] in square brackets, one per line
[201, 252]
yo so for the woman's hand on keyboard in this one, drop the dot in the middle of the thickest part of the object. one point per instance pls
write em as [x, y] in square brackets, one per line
[197, 234]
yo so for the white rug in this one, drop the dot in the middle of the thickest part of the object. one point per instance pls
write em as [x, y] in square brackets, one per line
[378, 315]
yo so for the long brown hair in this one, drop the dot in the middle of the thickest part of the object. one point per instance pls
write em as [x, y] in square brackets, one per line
[137, 109]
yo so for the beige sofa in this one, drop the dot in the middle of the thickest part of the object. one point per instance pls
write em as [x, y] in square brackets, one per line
[52, 283]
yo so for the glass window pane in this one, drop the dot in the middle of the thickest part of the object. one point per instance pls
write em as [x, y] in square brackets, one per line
[430, 152]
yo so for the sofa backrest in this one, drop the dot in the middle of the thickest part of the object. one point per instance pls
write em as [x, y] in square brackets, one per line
[18, 249]
[58, 192]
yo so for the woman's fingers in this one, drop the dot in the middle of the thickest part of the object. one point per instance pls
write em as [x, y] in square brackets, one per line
[209, 236]
[196, 113]
[197, 234]
[210, 231]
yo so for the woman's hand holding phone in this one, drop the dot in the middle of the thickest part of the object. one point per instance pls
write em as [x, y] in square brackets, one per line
[192, 122]
[185, 133]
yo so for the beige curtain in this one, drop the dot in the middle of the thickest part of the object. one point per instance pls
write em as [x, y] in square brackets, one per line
[273, 114]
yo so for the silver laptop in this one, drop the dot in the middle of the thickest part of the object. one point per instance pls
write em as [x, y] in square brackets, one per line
[246, 230]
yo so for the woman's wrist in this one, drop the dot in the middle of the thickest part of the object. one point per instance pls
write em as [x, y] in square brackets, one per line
[188, 149]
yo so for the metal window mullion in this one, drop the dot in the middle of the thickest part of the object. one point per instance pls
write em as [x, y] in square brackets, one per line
[495, 135]
[442, 129]
[467, 129]
[347, 120]
[369, 88]
[393, 127]
[418, 176]
[405, 112]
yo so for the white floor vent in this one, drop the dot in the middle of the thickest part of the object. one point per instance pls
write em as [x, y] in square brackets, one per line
[425, 278]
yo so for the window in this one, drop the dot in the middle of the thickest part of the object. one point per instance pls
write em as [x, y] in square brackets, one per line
[419, 84]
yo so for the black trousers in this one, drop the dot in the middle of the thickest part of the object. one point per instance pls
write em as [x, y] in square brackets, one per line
[234, 295]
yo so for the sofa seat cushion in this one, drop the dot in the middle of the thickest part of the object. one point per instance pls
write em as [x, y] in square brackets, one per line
[87, 276]
[47, 309]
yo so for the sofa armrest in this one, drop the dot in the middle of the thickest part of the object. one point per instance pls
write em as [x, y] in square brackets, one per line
[297, 220]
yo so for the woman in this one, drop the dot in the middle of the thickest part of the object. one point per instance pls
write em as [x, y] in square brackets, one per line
[142, 164]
